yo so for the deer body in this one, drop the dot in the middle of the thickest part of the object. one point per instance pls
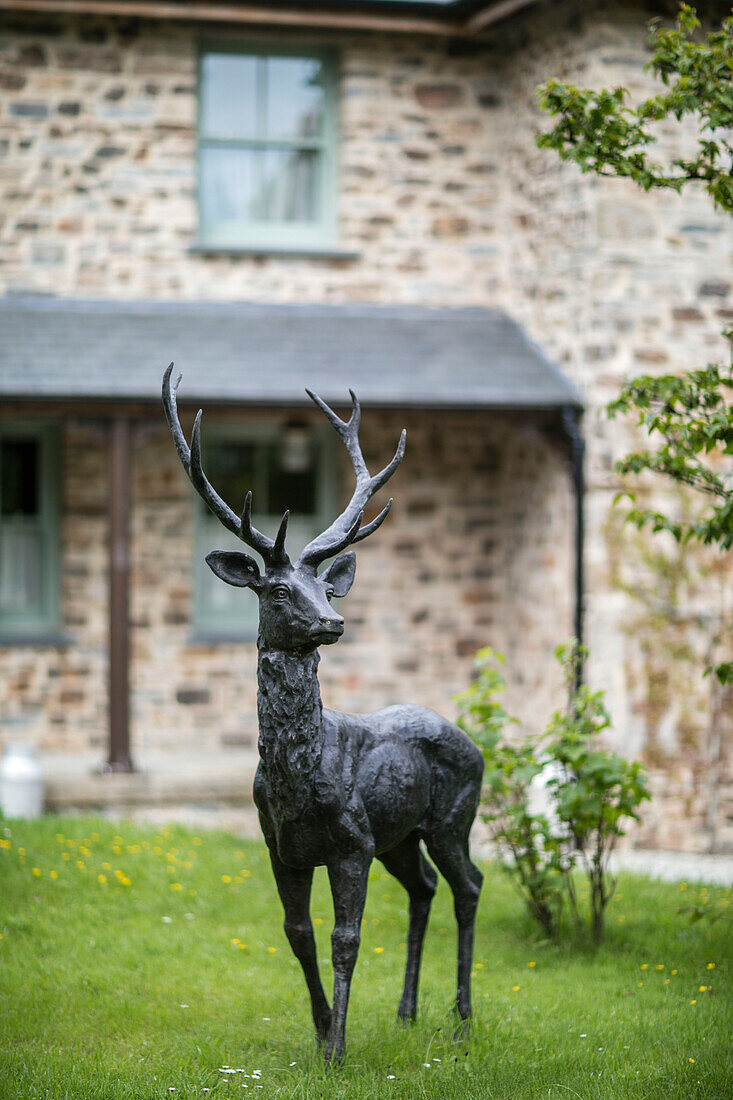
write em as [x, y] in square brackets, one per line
[335, 789]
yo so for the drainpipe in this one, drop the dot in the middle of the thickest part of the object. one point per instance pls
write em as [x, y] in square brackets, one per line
[570, 420]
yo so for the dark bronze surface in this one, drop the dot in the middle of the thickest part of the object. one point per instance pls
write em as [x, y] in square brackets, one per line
[333, 789]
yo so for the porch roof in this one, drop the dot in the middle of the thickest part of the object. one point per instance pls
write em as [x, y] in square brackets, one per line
[251, 353]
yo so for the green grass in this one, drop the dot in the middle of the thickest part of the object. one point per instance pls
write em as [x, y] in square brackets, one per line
[135, 988]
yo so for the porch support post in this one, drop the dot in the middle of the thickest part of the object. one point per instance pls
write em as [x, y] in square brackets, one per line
[571, 426]
[119, 759]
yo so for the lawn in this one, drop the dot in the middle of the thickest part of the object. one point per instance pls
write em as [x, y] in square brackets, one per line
[139, 964]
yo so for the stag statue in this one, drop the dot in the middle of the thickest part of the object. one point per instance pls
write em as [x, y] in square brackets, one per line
[339, 789]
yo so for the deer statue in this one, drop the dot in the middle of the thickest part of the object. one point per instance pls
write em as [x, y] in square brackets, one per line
[339, 789]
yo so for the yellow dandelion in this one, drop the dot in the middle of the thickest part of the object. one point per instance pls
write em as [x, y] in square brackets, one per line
[226, 878]
[378, 950]
[272, 950]
[645, 966]
[666, 981]
[65, 856]
[37, 872]
[119, 875]
[242, 946]
[238, 880]
[710, 966]
[515, 989]
[6, 845]
[640, 984]
[235, 941]
[102, 879]
[117, 849]
[479, 966]
[693, 1002]
[176, 886]
[85, 851]
[532, 964]
[126, 881]
[81, 864]
[660, 966]
[318, 920]
[245, 873]
[54, 874]
[691, 1060]
[674, 971]
[682, 886]
[703, 989]
[21, 851]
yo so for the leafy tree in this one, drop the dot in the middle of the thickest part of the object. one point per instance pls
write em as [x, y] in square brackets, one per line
[689, 414]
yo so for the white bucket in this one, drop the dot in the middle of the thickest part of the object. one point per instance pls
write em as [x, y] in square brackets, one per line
[21, 782]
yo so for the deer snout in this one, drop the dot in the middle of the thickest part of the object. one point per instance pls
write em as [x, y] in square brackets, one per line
[332, 622]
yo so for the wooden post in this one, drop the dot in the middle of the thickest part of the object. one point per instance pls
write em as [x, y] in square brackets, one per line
[119, 759]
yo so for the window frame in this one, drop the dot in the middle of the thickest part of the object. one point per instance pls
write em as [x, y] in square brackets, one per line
[43, 621]
[320, 234]
[208, 626]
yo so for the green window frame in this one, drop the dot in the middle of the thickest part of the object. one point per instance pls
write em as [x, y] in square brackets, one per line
[266, 171]
[220, 611]
[29, 531]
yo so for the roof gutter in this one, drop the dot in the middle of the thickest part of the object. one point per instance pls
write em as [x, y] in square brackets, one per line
[272, 15]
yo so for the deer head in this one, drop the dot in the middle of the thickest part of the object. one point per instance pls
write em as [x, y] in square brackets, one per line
[295, 611]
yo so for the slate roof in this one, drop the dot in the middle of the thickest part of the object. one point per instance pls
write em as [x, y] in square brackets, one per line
[253, 353]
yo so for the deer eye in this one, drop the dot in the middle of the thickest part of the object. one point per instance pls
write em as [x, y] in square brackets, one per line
[329, 594]
[280, 593]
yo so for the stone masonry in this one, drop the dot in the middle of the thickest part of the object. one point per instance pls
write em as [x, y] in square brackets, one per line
[446, 200]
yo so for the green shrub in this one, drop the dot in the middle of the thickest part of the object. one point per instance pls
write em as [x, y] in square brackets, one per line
[592, 793]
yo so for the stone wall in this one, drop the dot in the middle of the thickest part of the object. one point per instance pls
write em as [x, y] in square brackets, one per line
[476, 550]
[447, 201]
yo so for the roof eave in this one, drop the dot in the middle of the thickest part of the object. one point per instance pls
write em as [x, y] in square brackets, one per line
[375, 17]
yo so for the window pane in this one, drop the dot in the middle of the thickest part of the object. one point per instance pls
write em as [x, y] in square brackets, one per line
[19, 477]
[228, 96]
[295, 97]
[289, 190]
[20, 568]
[231, 469]
[229, 186]
[290, 489]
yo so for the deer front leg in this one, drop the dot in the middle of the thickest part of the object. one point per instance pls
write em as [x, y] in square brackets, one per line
[348, 876]
[294, 887]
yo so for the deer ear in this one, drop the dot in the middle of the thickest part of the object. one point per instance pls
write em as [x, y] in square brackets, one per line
[235, 568]
[340, 573]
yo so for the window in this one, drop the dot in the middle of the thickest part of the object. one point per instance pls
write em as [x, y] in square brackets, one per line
[286, 467]
[266, 149]
[29, 604]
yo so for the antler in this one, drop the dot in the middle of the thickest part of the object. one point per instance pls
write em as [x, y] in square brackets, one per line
[347, 528]
[272, 551]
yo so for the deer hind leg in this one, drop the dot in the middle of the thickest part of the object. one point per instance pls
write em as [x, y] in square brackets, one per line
[464, 878]
[409, 866]
[294, 887]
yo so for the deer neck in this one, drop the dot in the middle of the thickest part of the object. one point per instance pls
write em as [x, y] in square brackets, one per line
[290, 715]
